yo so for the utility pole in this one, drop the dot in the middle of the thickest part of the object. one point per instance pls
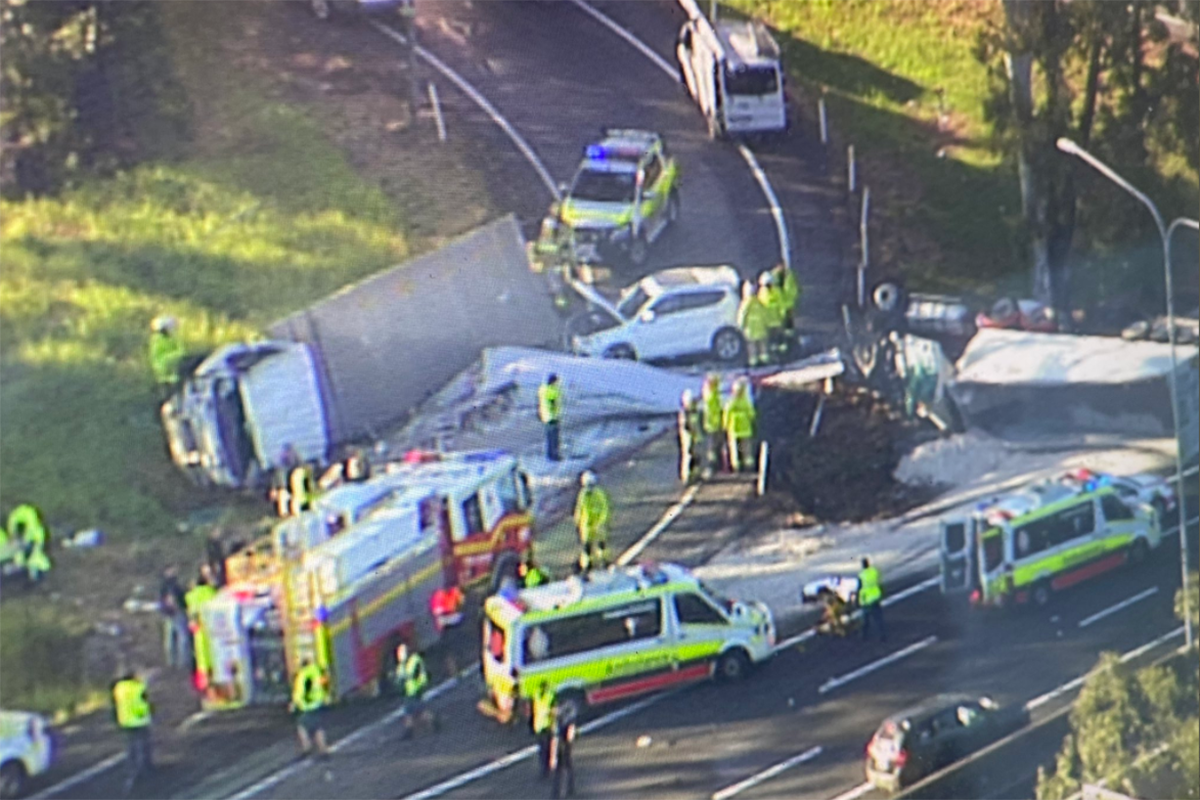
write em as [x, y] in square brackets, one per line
[408, 25]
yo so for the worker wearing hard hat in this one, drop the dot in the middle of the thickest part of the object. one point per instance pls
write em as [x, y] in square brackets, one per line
[754, 320]
[591, 520]
[772, 297]
[166, 354]
[711, 411]
[739, 421]
[690, 432]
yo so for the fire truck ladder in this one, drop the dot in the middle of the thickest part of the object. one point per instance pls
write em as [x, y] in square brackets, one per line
[300, 639]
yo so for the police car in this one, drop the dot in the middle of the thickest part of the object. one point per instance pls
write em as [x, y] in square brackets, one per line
[25, 750]
[624, 195]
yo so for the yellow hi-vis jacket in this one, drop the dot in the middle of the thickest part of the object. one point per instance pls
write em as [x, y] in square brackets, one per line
[549, 402]
[591, 514]
[165, 354]
[130, 703]
[754, 319]
[740, 415]
[712, 408]
[869, 590]
[308, 690]
[773, 299]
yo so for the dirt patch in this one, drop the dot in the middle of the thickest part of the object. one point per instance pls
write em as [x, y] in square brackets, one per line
[845, 472]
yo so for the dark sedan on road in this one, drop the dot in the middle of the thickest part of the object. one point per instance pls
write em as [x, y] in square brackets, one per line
[921, 740]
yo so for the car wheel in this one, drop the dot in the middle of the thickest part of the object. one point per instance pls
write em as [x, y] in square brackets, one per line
[321, 8]
[638, 251]
[1042, 594]
[12, 779]
[673, 207]
[1139, 551]
[621, 351]
[728, 344]
[733, 666]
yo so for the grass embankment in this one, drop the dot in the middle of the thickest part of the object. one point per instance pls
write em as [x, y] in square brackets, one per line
[944, 200]
[261, 216]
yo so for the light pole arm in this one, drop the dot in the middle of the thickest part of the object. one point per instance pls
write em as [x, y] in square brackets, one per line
[1069, 147]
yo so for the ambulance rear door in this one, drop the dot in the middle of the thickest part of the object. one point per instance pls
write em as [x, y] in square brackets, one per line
[957, 549]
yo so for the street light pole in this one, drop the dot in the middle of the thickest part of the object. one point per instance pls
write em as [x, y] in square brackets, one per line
[1071, 148]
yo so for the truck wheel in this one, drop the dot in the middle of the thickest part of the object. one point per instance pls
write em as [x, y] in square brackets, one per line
[505, 567]
[728, 344]
[12, 779]
[733, 666]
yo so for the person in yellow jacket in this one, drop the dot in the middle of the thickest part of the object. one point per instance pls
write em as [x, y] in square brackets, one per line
[166, 353]
[541, 719]
[739, 422]
[591, 521]
[310, 693]
[413, 680]
[550, 413]
[785, 279]
[25, 526]
[712, 408]
[754, 320]
[772, 297]
[870, 600]
[203, 590]
[131, 707]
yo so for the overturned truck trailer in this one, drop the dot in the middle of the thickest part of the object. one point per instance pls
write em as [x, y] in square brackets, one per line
[1076, 385]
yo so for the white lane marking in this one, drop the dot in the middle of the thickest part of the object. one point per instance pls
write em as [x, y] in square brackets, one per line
[856, 792]
[516, 756]
[480, 101]
[767, 774]
[842, 680]
[910, 591]
[276, 778]
[1099, 615]
[667, 518]
[785, 248]
[641, 46]
[80, 777]
[795, 640]
[1072, 684]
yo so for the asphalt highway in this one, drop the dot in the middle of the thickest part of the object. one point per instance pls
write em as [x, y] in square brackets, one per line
[702, 740]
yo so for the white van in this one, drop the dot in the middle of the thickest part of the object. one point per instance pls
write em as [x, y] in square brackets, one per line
[734, 73]
[25, 750]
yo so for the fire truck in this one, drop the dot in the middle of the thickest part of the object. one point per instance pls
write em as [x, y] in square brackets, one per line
[373, 564]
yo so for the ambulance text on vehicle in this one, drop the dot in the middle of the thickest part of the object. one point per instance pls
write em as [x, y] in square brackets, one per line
[616, 634]
[733, 71]
[372, 565]
[1024, 546]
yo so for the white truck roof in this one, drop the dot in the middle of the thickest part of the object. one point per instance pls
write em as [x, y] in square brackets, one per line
[747, 41]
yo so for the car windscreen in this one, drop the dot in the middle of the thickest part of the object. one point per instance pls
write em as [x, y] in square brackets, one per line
[604, 187]
[751, 81]
[631, 302]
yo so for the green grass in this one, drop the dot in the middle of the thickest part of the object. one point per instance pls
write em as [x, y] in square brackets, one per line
[880, 64]
[264, 216]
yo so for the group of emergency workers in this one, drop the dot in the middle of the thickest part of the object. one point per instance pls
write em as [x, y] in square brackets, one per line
[766, 315]
[714, 430]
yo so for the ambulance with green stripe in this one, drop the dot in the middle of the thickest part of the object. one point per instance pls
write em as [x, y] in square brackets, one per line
[614, 635]
[624, 195]
[1025, 546]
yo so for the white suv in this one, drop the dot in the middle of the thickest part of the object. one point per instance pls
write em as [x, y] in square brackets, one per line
[25, 750]
[677, 312]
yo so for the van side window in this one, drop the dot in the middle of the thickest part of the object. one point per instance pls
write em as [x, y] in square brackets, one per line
[1033, 537]
[509, 495]
[693, 610]
[584, 632]
[1114, 509]
[472, 514]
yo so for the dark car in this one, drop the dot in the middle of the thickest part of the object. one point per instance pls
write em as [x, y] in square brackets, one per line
[328, 8]
[921, 740]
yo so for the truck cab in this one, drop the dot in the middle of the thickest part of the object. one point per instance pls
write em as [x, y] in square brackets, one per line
[241, 409]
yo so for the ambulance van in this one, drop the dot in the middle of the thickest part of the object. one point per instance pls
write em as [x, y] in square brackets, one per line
[614, 635]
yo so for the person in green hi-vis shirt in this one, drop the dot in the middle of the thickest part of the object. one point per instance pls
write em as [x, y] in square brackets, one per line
[166, 354]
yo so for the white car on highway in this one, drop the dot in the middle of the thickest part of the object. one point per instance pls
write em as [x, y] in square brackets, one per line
[25, 750]
[673, 313]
